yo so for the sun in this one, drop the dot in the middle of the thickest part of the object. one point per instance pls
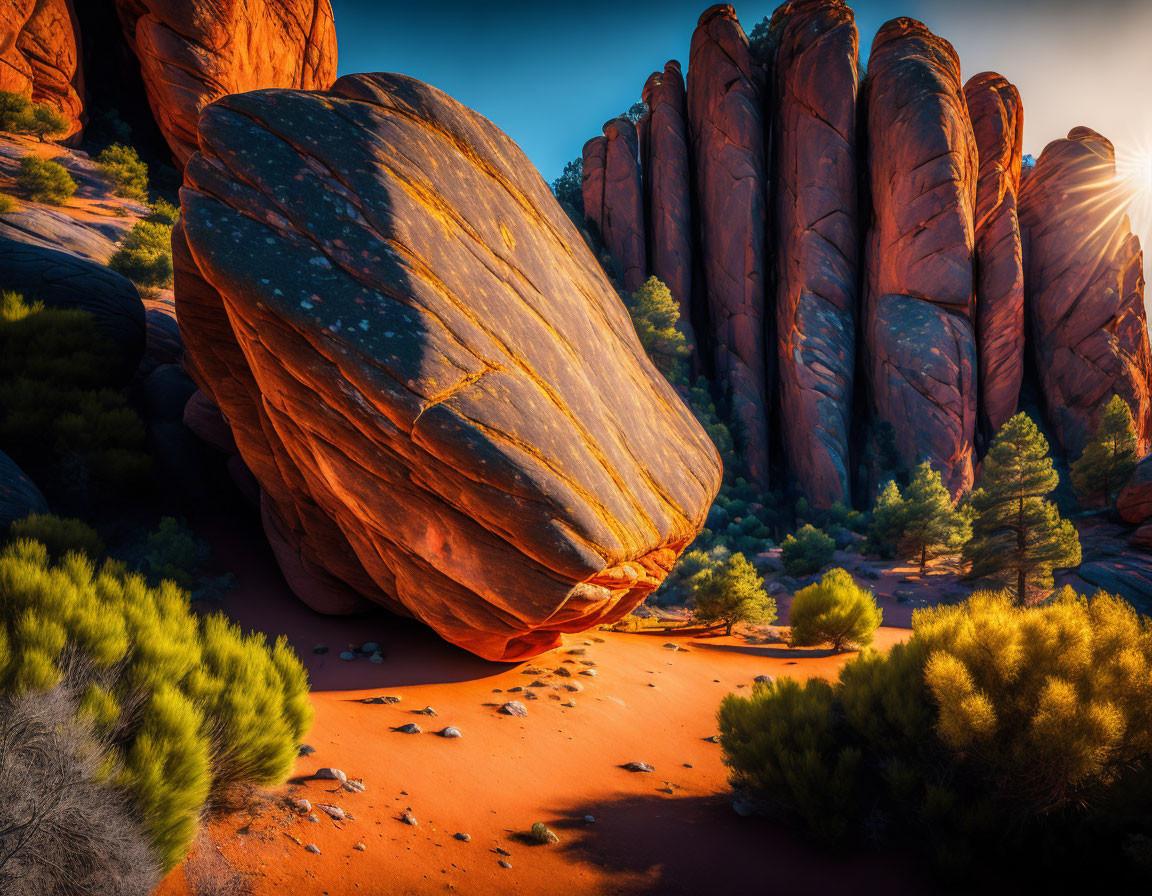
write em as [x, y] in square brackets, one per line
[1134, 178]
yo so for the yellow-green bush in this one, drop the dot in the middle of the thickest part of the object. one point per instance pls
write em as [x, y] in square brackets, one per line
[122, 166]
[45, 181]
[994, 724]
[59, 535]
[834, 611]
[7, 204]
[145, 256]
[188, 705]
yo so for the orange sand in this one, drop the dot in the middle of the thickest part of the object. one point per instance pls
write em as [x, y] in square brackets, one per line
[671, 831]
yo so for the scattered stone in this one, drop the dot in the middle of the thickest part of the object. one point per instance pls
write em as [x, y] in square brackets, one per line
[531, 695]
[577, 651]
[569, 703]
[354, 786]
[589, 819]
[333, 812]
[714, 739]
[463, 838]
[638, 767]
[598, 640]
[562, 672]
[671, 646]
[504, 864]
[331, 774]
[347, 655]
[516, 690]
[513, 708]
[313, 817]
[664, 789]
[369, 647]
[306, 750]
[426, 711]
[409, 818]
[531, 670]
[591, 673]
[687, 765]
[450, 732]
[541, 834]
[764, 679]
[500, 690]
[587, 662]
[377, 658]
[573, 686]
[499, 850]
[312, 848]
[539, 684]
[320, 649]
[302, 806]
[651, 684]
[410, 728]
[360, 847]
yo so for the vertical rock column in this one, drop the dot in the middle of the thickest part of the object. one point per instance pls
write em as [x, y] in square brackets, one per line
[817, 232]
[667, 186]
[918, 334]
[592, 182]
[998, 124]
[623, 217]
[727, 132]
[1084, 285]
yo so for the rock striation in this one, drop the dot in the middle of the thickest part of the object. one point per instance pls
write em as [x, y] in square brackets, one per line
[1084, 283]
[439, 392]
[919, 341]
[40, 56]
[998, 124]
[192, 52]
[817, 237]
[726, 124]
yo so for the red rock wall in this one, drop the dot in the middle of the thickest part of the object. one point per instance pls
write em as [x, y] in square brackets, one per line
[193, 52]
[998, 123]
[817, 238]
[919, 342]
[40, 56]
[622, 222]
[1084, 282]
[592, 184]
[727, 132]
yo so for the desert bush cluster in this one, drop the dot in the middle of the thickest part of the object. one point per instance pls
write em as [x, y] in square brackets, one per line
[994, 724]
[43, 180]
[19, 115]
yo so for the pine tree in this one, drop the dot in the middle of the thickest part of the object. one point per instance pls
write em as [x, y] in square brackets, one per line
[1110, 456]
[655, 316]
[731, 593]
[887, 521]
[930, 524]
[1017, 534]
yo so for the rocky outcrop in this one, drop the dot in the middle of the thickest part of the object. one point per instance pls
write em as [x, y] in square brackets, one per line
[61, 280]
[1134, 503]
[668, 189]
[727, 131]
[919, 341]
[40, 56]
[19, 495]
[594, 158]
[195, 51]
[998, 124]
[1084, 286]
[440, 394]
[622, 221]
[817, 233]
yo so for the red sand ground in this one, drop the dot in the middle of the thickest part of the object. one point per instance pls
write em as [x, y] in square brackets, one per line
[671, 831]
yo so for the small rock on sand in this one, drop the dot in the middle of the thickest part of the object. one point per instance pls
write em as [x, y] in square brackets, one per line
[638, 767]
[504, 864]
[377, 657]
[354, 786]
[360, 847]
[764, 679]
[369, 647]
[410, 728]
[302, 806]
[426, 711]
[574, 686]
[333, 812]
[305, 750]
[589, 819]
[331, 774]
[531, 695]
[569, 703]
[671, 646]
[591, 673]
[714, 739]
[347, 655]
[450, 732]
[577, 651]
[562, 672]
[312, 848]
[513, 708]
[463, 838]
[409, 818]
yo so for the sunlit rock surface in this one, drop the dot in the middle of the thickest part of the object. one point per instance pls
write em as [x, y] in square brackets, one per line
[440, 394]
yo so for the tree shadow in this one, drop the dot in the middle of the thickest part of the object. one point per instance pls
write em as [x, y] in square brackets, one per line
[698, 844]
[779, 653]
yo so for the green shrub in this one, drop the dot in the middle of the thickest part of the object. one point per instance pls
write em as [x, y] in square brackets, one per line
[732, 592]
[45, 181]
[7, 204]
[187, 706]
[56, 397]
[145, 256]
[1109, 457]
[59, 535]
[834, 611]
[164, 212]
[806, 552]
[923, 523]
[994, 725]
[46, 121]
[122, 167]
[656, 317]
[19, 115]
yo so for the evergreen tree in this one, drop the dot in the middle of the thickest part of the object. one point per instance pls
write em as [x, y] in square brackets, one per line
[1110, 456]
[930, 524]
[887, 521]
[569, 186]
[655, 316]
[1018, 535]
[733, 592]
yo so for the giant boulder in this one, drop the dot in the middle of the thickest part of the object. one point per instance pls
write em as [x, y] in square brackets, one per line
[1085, 289]
[668, 190]
[726, 123]
[192, 52]
[1134, 503]
[19, 495]
[919, 341]
[440, 394]
[817, 234]
[40, 56]
[998, 124]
